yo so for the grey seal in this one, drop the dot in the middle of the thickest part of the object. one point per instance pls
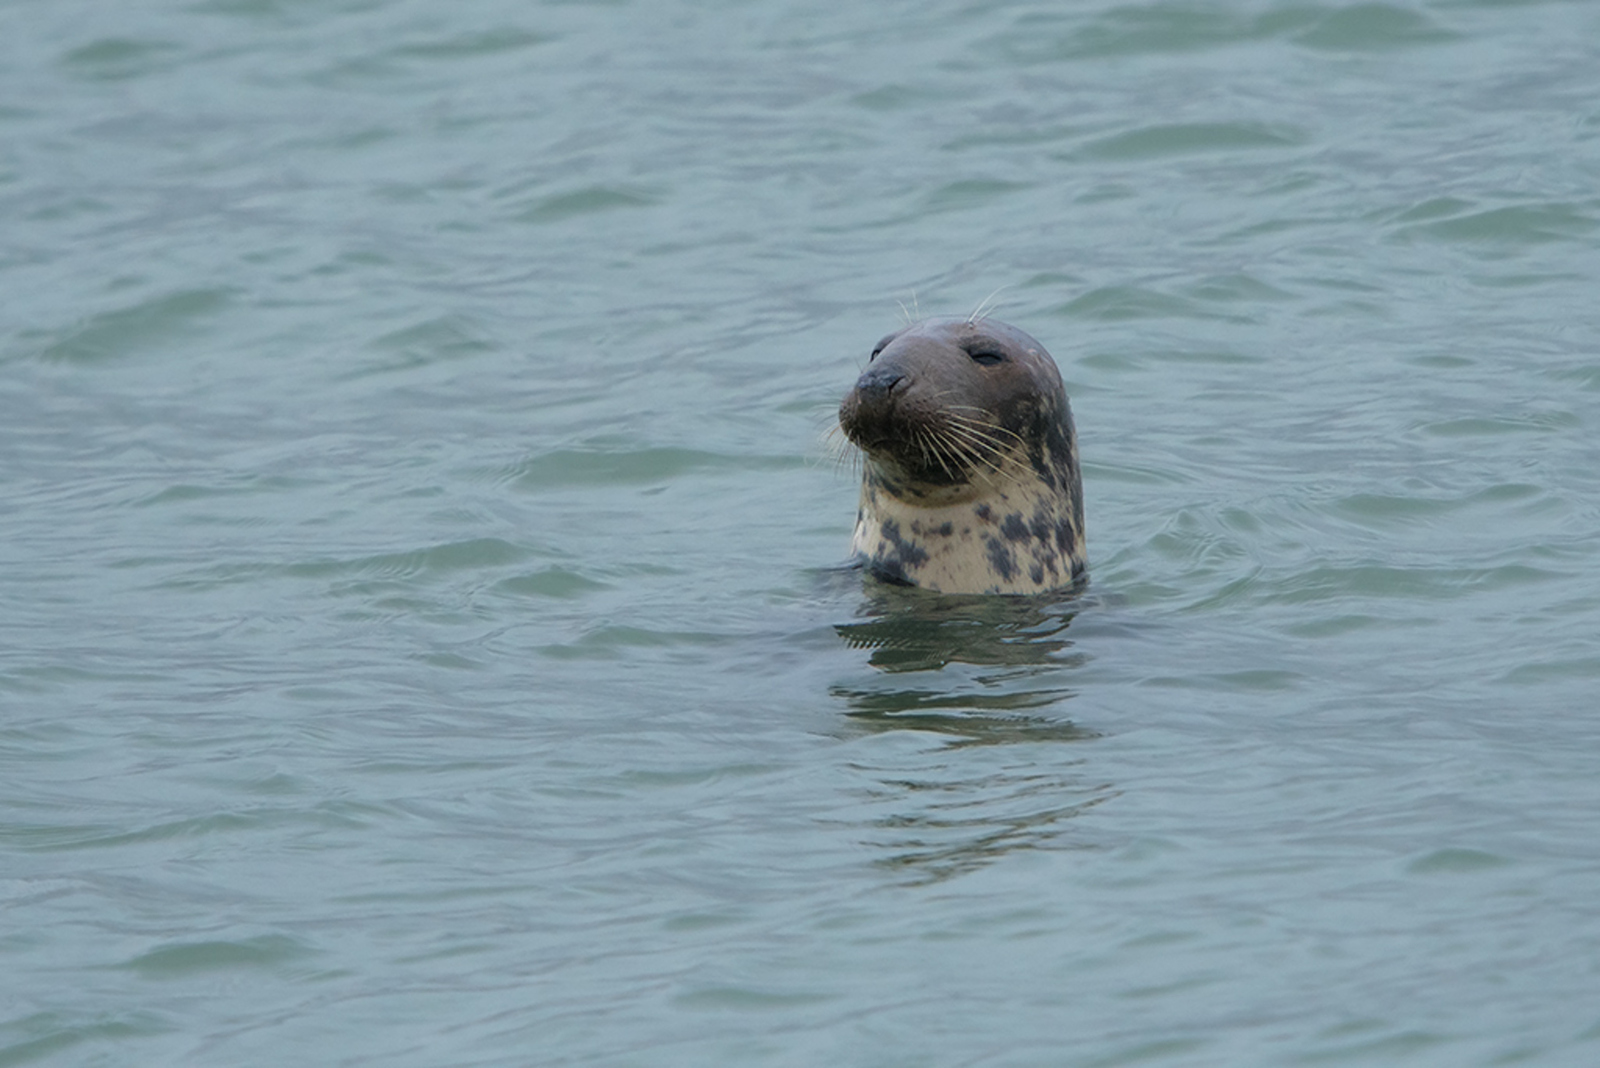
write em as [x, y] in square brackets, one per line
[970, 480]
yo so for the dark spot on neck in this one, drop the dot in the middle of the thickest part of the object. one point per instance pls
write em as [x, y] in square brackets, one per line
[1000, 558]
[907, 553]
[1065, 535]
[889, 571]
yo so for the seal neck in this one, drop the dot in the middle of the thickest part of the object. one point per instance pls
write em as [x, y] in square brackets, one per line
[885, 476]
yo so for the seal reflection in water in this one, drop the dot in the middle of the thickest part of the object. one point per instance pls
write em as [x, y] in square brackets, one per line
[970, 483]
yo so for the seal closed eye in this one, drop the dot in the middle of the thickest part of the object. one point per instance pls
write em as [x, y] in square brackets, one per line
[971, 481]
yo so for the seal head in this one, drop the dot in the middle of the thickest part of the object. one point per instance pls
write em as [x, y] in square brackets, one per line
[970, 482]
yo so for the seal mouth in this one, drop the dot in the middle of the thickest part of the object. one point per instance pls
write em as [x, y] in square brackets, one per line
[877, 426]
[869, 422]
[875, 446]
[911, 446]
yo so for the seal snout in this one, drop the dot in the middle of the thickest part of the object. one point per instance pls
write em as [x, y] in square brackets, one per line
[869, 414]
[875, 383]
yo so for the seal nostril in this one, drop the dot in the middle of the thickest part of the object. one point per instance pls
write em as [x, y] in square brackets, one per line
[876, 382]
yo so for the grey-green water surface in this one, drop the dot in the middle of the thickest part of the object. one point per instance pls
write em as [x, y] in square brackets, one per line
[422, 635]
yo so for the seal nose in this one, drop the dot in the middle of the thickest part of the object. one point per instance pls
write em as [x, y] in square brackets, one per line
[876, 382]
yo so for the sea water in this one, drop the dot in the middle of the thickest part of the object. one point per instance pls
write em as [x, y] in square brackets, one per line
[425, 629]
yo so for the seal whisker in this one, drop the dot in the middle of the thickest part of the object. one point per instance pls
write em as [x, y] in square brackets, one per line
[943, 452]
[952, 416]
[995, 451]
[984, 423]
[949, 459]
[961, 453]
[971, 436]
[974, 421]
[989, 459]
[837, 442]
[968, 431]
[981, 312]
[984, 413]
[925, 447]
[957, 454]
[912, 314]
[995, 435]
[840, 451]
